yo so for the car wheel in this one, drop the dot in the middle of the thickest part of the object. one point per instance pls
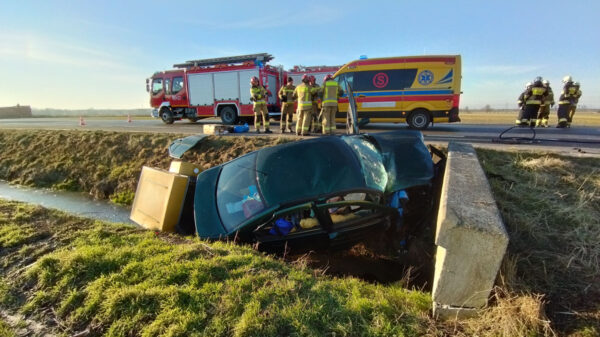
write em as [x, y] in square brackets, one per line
[166, 115]
[228, 115]
[419, 119]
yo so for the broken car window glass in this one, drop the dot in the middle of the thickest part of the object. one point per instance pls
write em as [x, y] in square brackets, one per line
[370, 160]
[238, 197]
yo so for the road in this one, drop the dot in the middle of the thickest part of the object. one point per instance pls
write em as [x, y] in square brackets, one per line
[579, 139]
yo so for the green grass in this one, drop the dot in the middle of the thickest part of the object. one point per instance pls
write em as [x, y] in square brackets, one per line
[118, 280]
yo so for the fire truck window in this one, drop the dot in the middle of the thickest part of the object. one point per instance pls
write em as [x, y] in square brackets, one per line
[157, 85]
[177, 84]
[168, 86]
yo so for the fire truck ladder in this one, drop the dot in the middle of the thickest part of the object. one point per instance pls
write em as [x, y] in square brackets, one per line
[256, 58]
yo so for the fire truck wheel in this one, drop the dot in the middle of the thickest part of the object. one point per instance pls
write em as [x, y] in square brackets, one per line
[419, 119]
[166, 115]
[228, 115]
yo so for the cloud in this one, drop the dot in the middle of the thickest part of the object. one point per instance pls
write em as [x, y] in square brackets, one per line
[41, 49]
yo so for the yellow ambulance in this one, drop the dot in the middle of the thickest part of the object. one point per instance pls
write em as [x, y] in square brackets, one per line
[418, 90]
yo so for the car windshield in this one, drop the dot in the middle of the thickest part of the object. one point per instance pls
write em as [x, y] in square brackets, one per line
[238, 197]
[371, 161]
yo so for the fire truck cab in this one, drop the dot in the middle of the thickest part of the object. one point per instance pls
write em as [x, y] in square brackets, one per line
[218, 87]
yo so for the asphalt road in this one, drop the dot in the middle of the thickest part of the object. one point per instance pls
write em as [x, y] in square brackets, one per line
[578, 139]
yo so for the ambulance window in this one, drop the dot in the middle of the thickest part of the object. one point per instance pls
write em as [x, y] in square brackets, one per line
[377, 80]
[177, 84]
[168, 86]
[346, 77]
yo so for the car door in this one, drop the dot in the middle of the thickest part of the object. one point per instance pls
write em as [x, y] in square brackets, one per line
[353, 215]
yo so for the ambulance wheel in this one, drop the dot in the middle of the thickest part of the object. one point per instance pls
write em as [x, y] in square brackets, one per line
[166, 115]
[419, 119]
[228, 115]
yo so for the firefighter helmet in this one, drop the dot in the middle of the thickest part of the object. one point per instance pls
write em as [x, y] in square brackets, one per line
[528, 85]
[537, 80]
[312, 79]
[327, 77]
[305, 78]
[254, 80]
[546, 83]
[567, 79]
[576, 84]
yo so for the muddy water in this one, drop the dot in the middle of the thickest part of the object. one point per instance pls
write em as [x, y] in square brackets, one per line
[70, 202]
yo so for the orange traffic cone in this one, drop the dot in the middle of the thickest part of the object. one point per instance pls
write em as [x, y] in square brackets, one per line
[129, 118]
[81, 121]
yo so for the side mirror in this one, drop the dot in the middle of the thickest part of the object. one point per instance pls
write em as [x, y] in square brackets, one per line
[147, 85]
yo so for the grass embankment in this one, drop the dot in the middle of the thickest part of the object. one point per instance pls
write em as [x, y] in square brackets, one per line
[104, 164]
[551, 208]
[117, 281]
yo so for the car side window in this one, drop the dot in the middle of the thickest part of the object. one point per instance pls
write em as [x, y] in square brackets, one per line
[297, 220]
[177, 84]
[346, 209]
[157, 85]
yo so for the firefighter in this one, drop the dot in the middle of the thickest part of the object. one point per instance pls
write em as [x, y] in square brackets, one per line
[286, 95]
[331, 93]
[304, 94]
[542, 120]
[535, 96]
[565, 102]
[574, 102]
[258, 95]
[521, 120]
[314, 121]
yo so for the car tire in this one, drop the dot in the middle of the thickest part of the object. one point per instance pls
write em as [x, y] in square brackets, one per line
[166, 115]
[419, 119]
[193, 119]
[229, 116]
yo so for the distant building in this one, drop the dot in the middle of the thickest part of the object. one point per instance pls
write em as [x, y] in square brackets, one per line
[18, 111]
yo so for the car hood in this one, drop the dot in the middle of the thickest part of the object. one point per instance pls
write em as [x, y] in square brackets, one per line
[208, 222]
[405, 157]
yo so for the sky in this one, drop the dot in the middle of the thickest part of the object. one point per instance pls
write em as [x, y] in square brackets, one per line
[97, 54]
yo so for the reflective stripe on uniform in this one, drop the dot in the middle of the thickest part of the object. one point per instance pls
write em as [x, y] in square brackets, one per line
[533, 101]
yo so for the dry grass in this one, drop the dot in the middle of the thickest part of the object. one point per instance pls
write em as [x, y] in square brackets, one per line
[551, 208]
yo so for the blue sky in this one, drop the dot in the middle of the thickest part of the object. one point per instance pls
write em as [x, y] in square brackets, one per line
[84, 54]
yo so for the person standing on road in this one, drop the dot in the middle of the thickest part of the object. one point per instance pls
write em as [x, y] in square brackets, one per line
[565, 102]
[331, 94]
[521, 120]
[535, 96]
[574, 102]
[304, 94]
[542, 120]
[258, 95]
[314, 122]
[286, 95]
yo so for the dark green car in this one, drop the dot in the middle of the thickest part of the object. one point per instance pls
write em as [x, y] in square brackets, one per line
[312, 193]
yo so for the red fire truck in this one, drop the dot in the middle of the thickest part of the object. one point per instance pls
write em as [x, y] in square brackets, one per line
[318, 72]
[213, 87]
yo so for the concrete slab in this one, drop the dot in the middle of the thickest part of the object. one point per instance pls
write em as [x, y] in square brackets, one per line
[470, 234]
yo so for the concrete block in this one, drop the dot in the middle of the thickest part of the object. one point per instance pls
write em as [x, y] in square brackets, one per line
[470, 235]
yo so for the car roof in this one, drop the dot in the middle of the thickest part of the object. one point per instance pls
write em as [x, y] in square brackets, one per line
[302, 170]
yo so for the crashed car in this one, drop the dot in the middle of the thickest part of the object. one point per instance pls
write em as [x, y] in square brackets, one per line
[319, 192]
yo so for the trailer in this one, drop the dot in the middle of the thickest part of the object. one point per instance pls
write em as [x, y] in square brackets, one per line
[218, 87]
